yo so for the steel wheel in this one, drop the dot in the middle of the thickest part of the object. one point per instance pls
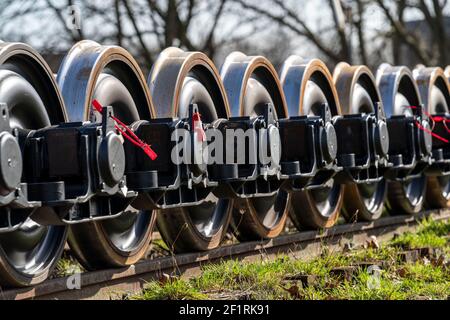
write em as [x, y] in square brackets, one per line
[308, 85]
[177, 80]
[434, 91]
[399, 92]
[251, 83]
[28, 254]
[358, 94]
[110, 75]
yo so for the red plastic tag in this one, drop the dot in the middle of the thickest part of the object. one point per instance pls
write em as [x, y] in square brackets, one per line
[433, 119]
[128, 134]
[198, 126]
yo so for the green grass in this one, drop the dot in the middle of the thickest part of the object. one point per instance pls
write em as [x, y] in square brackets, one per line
[67, 266]
[430, 233]
[172, 290]
[268, 279]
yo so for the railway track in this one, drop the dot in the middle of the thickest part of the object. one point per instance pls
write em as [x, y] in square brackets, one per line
[114, 283]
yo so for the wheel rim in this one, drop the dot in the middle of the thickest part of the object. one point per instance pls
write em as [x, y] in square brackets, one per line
[178, 79]
[399, 92]
[31, 247]
[444, 182]
[434, 91]
[438, 104]
[209, 216]
[27, 87]
[326, 199]
[358, 95]
[414, 190]
[110, 75]
[308, 85]
[270, 210]
[126, 232]
[252, 83]
[372, 193]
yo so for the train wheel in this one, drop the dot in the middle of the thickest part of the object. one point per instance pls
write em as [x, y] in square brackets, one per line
[177, 80]
[110, 75]
[434, 90]
[358, 94]
[27, 86]
[308, 85]
[399, 92]
[252, 83]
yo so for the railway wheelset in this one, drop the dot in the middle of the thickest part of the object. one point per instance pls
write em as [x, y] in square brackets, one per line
[88, 157]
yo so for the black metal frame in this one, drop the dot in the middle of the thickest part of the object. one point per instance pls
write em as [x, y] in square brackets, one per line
[83, 172]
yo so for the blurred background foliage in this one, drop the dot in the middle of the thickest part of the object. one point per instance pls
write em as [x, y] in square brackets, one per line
[401, 32]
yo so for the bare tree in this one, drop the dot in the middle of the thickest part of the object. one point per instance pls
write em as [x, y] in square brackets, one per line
[146, 26]
[287, 14]
[428, 41]
[339, 30]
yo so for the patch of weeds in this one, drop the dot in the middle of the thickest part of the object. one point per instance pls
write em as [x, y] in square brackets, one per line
[67, 266]
[172, 290]
[158, 249]
[261, 278]
[284, 277]
[430, 234]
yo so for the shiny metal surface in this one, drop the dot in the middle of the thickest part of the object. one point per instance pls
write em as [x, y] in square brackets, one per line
[236, 73]
[169, 73]
[83, 66]
[434, 89]
[177, 80]
[112, 76]
[398, 90]
[296, 75]
[399, 93]
[251, 83]
[359, 94]
[28, 254]
[307, 85]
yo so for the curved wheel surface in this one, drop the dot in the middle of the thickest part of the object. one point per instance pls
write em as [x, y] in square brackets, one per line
[27, 86]
[434, 91]
[110, 75]
[399, 93]
[252, 83]
[307, 85]
[358, 94]
[177, 80]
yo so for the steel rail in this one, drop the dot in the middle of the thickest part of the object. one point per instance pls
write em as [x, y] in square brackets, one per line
[115, 283]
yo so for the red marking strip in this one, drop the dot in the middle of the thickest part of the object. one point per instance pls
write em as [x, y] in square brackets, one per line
[431, 132]
[128, 134]
[198, 126]
[434, 119]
